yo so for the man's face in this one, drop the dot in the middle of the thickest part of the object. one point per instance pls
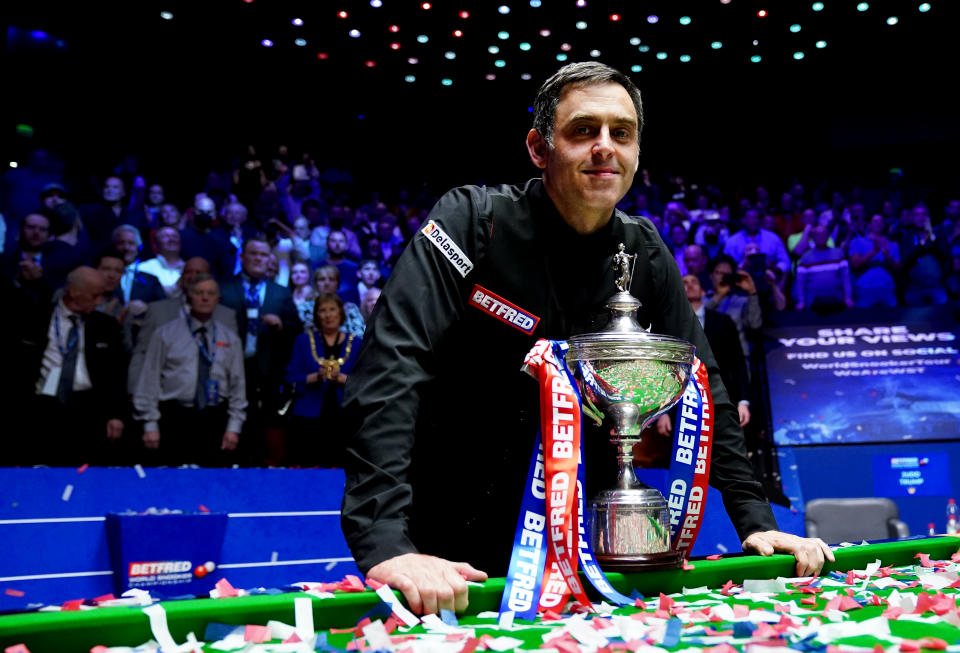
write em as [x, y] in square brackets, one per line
[204, 297]
[594, 155]
[254, 259]
[191, 269]
[169, 215]
[168, 241]
[53, 199]
[113, 190]
[87, 296]
[369, 274]
[327, 282]
[751, 221]
[126, 242]
[719, 272]
[112, 271]
[155, 195]
[694, 259]
[336, 243]
[369, 301]
[820, 236]
[877, 225]
[36, 230]
[302, 227]
[234, 215]
[952, 210]
[691, 285]
[920, 217]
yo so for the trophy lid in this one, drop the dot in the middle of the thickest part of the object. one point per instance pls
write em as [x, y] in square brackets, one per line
[623, 337]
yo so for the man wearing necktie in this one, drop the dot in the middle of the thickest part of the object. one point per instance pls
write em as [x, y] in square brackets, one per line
[78, 388]
[269, 323]
[191, 393]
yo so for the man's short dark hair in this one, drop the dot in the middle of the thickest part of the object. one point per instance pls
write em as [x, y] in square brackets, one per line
[255, 239]
[108, 252]
[721, 258]
[584, 73]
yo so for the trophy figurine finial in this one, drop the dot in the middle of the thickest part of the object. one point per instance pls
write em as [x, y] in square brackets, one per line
[623, 265]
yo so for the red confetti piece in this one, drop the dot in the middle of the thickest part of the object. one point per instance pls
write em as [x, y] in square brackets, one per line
[665, 602]
[12, 592]
[909, 646]
[721, 648]
[851, 578]
[82, 468]
[293, 639]
[740, 610]
[550, 615]
[725, 590]
[256, 634]
[373, 584]
[892, 613]
[391, 624]
[17, 648]
[71, 606]
[933, 643]
[687, 566]
[710, 632]
[924, 559]
[104, 598]
[202, 508]
[99, 648]
[809, 600]
[225, 589]
[715, 556]
[352, 584]
[470, 646]
[780, 607]
[639, 603]
[567, 646]
[455, 637]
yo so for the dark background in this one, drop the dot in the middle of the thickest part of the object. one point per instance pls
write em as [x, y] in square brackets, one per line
[189, 94]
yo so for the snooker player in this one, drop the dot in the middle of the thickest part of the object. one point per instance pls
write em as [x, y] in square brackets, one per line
[442, 420]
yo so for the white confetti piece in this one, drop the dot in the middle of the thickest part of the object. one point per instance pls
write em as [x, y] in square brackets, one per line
[274, 556]
[303, 617]
[137, 468]
[505, 621]
[158, 626]
[407, 617]
[330, 565]
[503, 643]
[377, 636]
[67, 491]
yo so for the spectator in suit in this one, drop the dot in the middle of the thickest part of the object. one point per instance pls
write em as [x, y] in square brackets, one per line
[268, 322]
[167, 265]
[722, 335]
[25, 261]
[137, 288]
[322, 358]
[170, 308]
[101, 218]
[191, 396]
[77, 358]
[199, 238]
[735, 294]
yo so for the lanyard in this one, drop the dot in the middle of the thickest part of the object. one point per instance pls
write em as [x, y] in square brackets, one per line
[209, 354]
[56, 327]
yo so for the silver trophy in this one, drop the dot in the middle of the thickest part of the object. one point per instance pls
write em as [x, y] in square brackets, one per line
[628, 377]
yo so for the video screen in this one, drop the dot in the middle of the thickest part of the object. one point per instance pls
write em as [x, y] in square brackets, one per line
[881, 382]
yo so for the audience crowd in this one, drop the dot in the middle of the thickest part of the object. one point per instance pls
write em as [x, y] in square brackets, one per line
[220, 328]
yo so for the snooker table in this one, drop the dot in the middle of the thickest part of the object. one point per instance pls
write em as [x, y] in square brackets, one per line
[128, 626]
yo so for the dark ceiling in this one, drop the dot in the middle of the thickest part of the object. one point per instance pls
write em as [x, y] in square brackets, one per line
[112, 77]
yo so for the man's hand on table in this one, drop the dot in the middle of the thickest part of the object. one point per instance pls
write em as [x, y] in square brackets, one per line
[810, 552]
[429, 584]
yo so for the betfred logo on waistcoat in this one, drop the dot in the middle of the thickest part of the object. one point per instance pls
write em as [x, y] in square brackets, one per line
[451, 251]
[507, 312]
